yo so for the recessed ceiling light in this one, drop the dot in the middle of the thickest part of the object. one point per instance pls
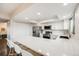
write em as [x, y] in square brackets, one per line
[38, 13]
[26, 18]
[65, 4]
[64, 16]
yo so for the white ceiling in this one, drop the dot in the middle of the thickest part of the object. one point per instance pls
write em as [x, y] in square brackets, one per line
[28, 12]
[8, 10]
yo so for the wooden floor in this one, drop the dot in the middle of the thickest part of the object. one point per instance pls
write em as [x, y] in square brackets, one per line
[34, 53]
[5, 50]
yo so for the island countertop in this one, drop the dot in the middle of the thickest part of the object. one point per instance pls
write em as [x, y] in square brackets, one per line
[58, 47]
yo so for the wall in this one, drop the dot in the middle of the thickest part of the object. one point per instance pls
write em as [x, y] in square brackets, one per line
[77, 24]
[76, 35]
[19, 30]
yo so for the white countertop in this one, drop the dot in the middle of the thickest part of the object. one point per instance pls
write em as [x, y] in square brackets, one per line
[58, 47]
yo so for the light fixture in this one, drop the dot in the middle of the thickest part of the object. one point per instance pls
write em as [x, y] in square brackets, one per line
[65, 4]
[64, 16]
[26, 18]
[38, 13]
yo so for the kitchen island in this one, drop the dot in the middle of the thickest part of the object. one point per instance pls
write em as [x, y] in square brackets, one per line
[58, 47]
